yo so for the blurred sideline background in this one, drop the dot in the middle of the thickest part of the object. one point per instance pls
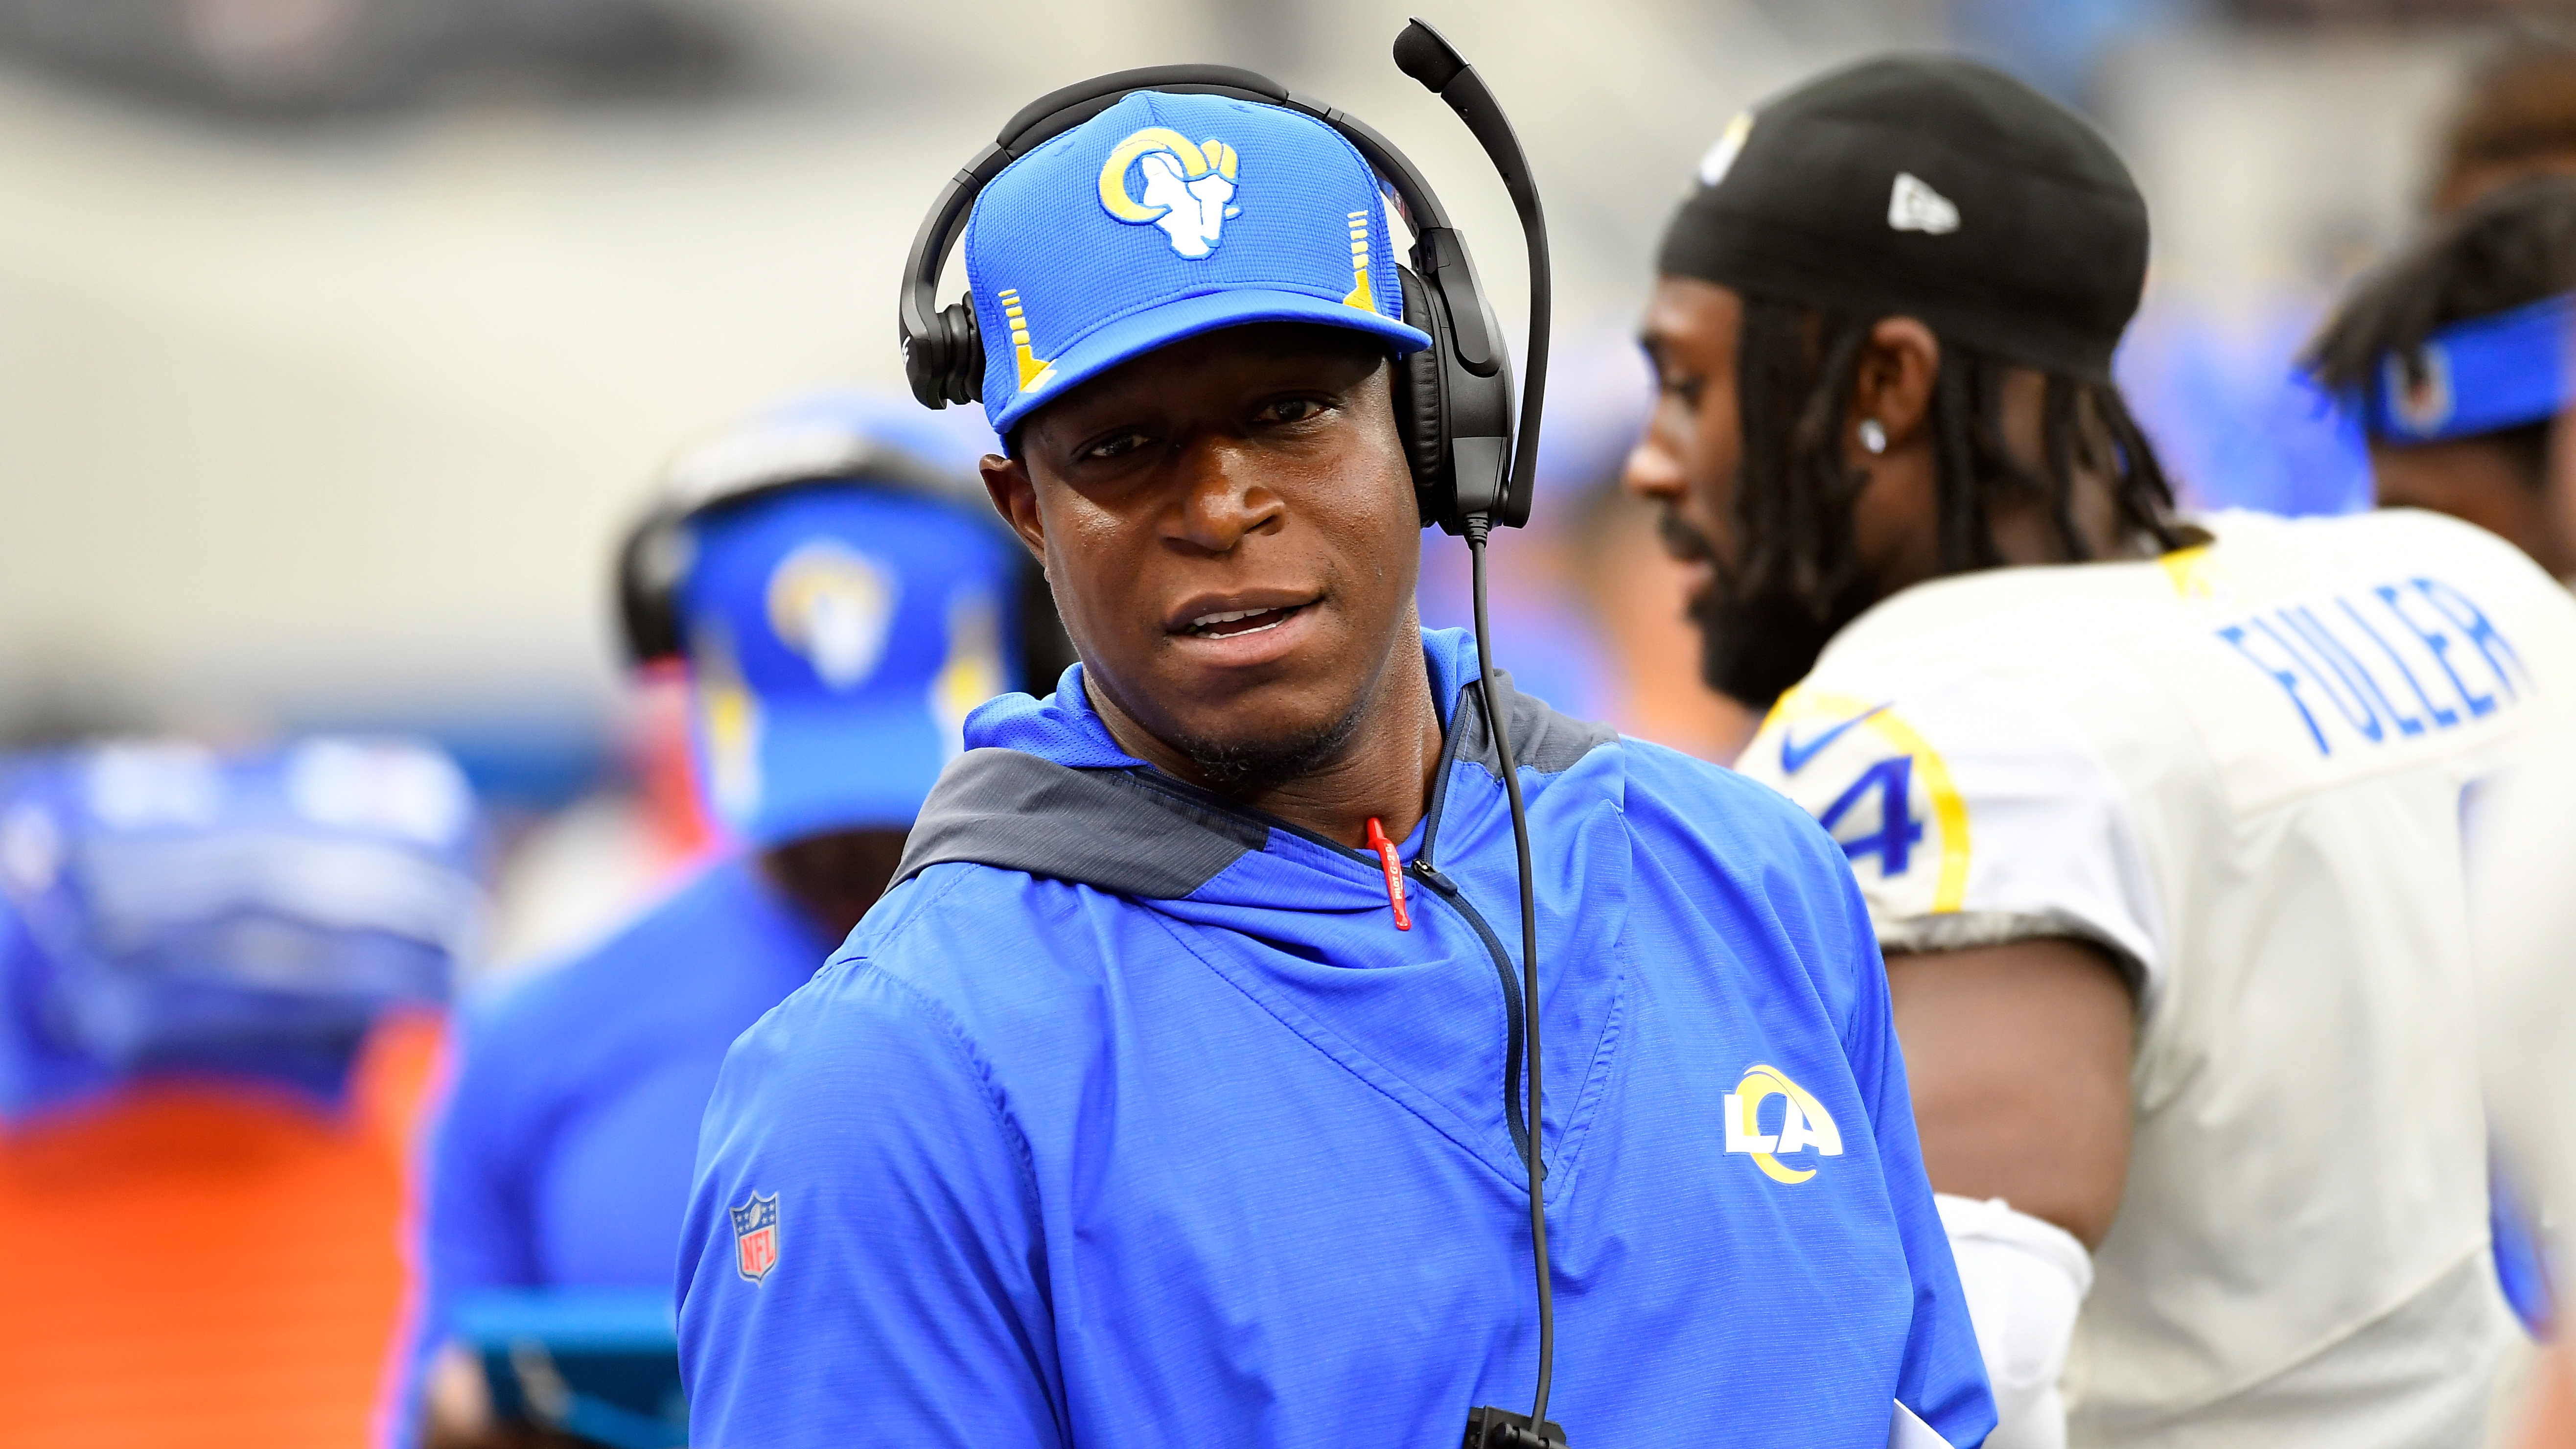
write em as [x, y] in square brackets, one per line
[339, 338]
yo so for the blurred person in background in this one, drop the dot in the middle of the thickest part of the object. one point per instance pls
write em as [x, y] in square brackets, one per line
[2516, 119]
[221, 987]
[2458, 359]
[2219, 388]
[2158, 822]
[842, 595]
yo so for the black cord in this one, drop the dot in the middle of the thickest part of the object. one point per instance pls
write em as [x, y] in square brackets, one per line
[1477, 527]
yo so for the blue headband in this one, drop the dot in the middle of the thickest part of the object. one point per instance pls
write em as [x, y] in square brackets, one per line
[2480, 376]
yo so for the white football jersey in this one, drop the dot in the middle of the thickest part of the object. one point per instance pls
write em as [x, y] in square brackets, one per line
[2240, 770]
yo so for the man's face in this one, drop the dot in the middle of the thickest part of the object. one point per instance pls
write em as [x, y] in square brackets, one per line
[1755, 639]
[1229, 527]
[1687, 463]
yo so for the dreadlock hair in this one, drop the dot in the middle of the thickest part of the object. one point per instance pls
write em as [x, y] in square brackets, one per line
[1798, 578]
[2513, 246]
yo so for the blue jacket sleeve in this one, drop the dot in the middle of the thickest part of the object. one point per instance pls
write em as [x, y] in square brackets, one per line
[472, 1224]
[903, 1299]
[478, 1230]
[1943, 1377]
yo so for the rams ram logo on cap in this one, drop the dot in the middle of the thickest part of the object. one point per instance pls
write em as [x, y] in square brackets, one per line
[833, 605]
[1189, 188]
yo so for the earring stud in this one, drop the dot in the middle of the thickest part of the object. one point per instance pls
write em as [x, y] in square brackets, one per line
[1872, 435]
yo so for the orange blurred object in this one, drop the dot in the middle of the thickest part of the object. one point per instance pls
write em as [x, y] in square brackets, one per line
[665, 770]
[206, 1264]
[2549, 1408]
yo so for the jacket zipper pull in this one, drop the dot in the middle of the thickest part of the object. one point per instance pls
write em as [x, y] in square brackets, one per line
[1385, 849]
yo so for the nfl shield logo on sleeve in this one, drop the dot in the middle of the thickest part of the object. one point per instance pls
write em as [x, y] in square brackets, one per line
[755, 1237]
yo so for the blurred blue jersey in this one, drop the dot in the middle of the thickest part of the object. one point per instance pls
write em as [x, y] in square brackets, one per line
[563, 1156]
[1133, 1118]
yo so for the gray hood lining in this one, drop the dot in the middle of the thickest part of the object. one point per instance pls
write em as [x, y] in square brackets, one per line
[1108, 829]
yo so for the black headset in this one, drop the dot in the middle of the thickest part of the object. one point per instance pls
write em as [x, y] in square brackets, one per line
[655, 558]
[1453, 399]
[1472, 469]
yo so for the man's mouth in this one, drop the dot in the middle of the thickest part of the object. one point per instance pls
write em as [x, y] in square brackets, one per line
[1685, 543]
[1233, 622]
[1688, 548]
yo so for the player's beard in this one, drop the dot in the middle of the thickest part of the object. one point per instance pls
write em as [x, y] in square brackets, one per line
[1755, 642]
[1754, 645]
[1246, 767]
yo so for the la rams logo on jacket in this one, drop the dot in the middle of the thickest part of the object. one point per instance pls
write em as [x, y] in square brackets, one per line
[755, 1237]
[1188, 188]
[1804, 1124]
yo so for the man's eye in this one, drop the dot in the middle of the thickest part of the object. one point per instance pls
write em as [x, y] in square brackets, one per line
[1115, 445]
[1291, 410]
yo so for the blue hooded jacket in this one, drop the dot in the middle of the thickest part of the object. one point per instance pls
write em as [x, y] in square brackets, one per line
[1130, 1118]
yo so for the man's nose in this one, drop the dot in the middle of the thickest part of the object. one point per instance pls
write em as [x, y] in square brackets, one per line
[1653, 471]
[1222, 503]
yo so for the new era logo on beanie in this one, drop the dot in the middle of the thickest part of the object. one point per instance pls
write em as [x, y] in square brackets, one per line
[1913, 206]
[1932, 187]
[1166, 216]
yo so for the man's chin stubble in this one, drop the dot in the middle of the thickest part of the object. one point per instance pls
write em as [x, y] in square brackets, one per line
[1249, 767]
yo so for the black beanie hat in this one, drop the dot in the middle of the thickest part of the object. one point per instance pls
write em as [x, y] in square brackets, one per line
[1932, 187]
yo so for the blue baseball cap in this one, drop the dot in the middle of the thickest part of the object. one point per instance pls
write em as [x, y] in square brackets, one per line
[837, 636]
[1163, 217]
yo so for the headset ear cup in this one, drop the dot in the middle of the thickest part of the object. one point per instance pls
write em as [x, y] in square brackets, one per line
[1421, 414]
[650, 566]
[961, 345]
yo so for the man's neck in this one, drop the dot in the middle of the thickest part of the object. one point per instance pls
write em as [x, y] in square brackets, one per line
[1384, 772]
[2108, 535]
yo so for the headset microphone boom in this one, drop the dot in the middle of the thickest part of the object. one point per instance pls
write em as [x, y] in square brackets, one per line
[1472, 467]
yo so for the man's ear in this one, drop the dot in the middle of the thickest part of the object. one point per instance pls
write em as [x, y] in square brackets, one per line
[1893, 386]
[1015, 497]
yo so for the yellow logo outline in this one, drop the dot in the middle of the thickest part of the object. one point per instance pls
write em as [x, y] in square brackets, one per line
[1197, 160]
[1948, 807]
[1806, 1123]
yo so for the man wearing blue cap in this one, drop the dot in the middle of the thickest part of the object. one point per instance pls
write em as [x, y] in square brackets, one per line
[2459, 358]
[838, 613]
[1172, 1095]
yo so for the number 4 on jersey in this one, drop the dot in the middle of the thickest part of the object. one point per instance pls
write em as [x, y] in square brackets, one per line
[1898, 831]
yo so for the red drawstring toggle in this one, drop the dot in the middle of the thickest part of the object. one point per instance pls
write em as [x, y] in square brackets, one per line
[1385, 849]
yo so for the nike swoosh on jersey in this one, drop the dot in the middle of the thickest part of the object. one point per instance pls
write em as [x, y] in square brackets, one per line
[1794, 756]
